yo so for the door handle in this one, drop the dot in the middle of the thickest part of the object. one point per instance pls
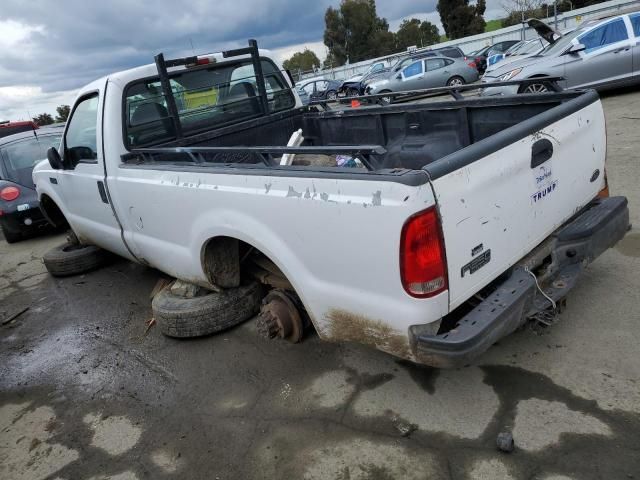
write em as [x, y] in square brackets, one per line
[541, 151]
[103, 192]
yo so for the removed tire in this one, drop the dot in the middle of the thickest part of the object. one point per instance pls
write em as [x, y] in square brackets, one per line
[182, 317]
[69, 259]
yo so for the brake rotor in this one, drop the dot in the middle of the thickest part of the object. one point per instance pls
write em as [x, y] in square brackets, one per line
[279, 317]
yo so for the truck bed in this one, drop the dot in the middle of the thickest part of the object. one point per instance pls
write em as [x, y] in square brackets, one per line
[413, 136]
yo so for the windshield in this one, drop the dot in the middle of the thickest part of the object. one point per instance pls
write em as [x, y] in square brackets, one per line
[530, 47]
[515, 48]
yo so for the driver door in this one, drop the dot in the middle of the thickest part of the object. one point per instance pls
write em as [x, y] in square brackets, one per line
[82, 181]
[413, 76]
[606, 58]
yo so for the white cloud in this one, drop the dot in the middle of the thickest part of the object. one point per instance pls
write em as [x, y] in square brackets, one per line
[25, 102]
[15, 34]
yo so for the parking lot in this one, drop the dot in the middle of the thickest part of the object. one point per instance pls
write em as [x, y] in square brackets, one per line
[88, 391]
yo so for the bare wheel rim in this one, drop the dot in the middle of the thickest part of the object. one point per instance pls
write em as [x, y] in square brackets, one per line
[455, 82]
[536, 88]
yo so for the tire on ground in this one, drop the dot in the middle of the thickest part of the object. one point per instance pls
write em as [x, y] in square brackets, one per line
[68, 259]
[182, 317]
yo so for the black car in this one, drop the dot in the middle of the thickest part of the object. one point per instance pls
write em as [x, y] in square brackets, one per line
[321, 89]
[19, 207]
[480, 56]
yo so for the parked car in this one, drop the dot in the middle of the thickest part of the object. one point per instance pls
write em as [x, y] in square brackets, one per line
[20, 211]
[351, 87]
[599, 54]
[357, 85]
[429, 72]
[480, 56]
[321, 89]
[525, 49]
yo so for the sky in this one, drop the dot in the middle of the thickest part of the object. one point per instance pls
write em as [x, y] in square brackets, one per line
[50, 48]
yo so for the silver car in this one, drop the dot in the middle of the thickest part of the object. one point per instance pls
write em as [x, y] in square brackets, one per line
[427, 72]
[600, 54]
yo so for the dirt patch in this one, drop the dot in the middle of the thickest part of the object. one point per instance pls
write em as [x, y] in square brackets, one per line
[351, 327]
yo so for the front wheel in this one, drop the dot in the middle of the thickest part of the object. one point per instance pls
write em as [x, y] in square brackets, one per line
[352, 92]
[534, 88]
[332, 95]
[385, 100]
[455, 82]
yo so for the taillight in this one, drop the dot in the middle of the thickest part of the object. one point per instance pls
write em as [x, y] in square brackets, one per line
[423, 266]
[472, 64]
[9, 193]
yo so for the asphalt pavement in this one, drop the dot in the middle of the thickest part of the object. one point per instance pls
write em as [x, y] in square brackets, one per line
[88, 392]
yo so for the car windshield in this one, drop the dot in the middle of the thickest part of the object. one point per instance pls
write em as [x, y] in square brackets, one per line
[530, 47]
[513, 49]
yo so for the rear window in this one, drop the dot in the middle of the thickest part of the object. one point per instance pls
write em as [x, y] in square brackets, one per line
[20, 157]
[452, 52]
[206, 98]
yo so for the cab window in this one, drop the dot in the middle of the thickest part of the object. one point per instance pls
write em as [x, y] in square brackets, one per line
[413, 70]
[604, 35]
[205, 97]
[80, 142]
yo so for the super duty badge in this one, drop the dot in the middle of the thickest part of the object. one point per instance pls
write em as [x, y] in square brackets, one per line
[477, 263]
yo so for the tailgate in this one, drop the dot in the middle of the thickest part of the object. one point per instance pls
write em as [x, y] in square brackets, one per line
[503, 195]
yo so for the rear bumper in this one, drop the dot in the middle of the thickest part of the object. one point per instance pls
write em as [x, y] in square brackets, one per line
[24, 221]
[571, 248]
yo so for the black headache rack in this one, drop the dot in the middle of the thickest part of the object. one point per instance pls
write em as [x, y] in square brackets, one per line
[202, 156]
[162, 65]
[411, 95]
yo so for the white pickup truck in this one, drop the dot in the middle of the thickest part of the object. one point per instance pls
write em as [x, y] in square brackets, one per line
[426, 230]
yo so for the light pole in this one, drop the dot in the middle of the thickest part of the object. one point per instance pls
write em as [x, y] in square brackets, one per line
[555, 13]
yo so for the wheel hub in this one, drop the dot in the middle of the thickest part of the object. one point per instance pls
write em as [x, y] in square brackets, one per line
[279, 317]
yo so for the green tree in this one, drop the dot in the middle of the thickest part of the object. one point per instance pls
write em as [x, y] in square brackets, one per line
[415, 32]
[460, 19]
[43, 119]
[354, 32]
[302, 61]
[63, 113]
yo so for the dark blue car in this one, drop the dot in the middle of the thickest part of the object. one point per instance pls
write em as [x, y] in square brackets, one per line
[19, 207]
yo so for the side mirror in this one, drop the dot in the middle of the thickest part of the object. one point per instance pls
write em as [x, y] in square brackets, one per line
[54, 158]
[399, 76]
[577, 48]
